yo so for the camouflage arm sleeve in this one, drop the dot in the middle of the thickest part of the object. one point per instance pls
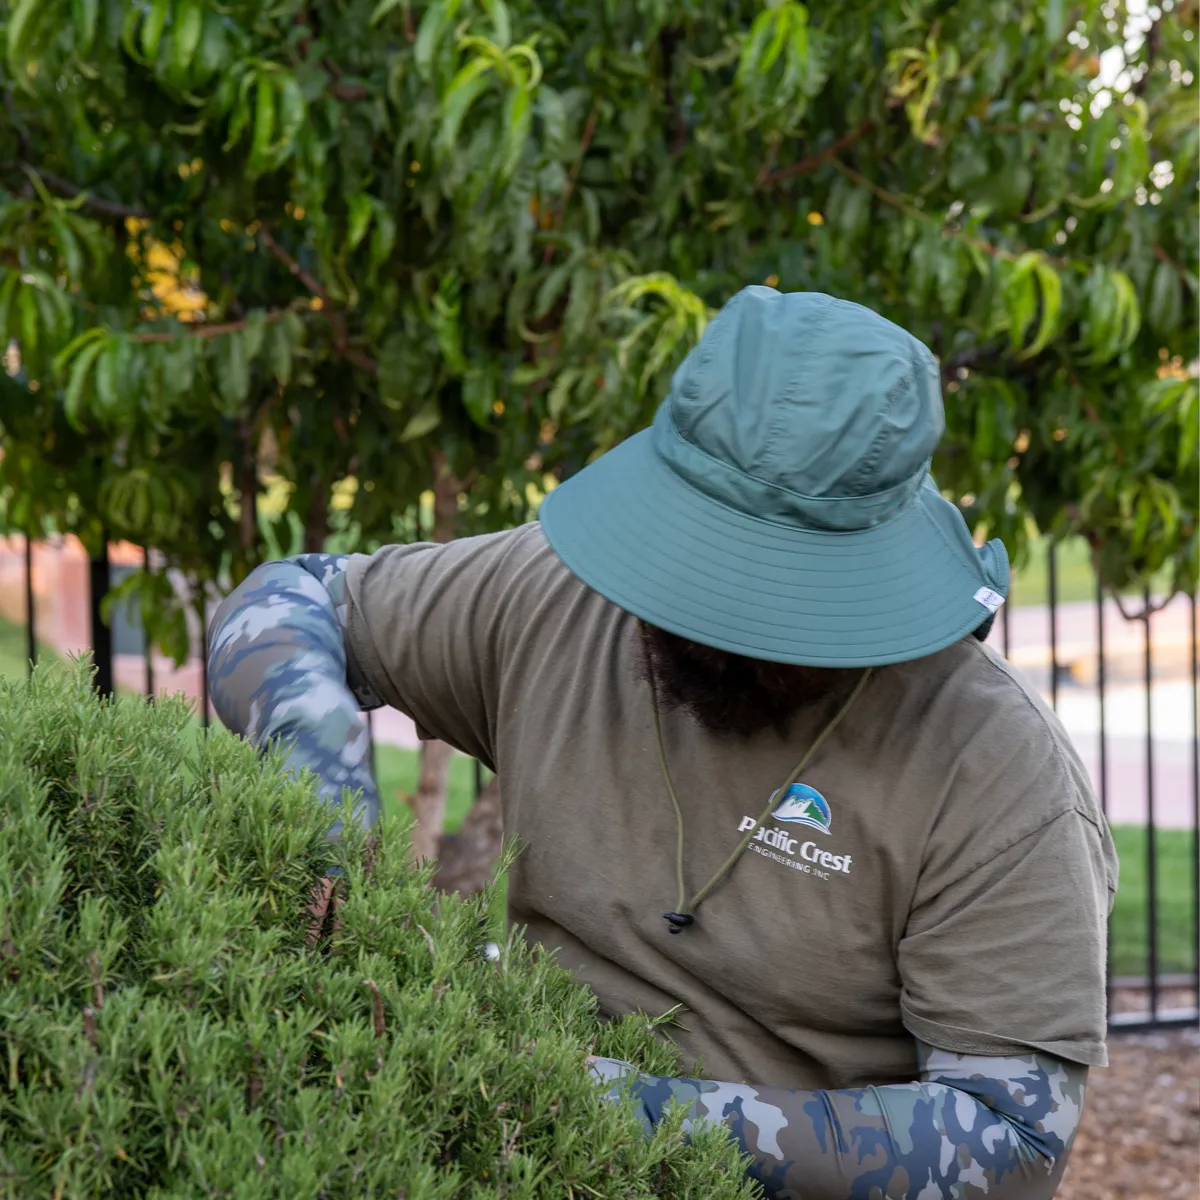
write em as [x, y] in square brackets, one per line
[277, 671]
[974, 1127]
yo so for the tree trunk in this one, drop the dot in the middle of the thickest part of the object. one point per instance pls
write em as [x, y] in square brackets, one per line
[247, 487]
[429, 803]
[467, 857]
[317, 527]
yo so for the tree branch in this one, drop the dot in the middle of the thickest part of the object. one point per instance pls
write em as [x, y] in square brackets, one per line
[589, 131]
[1164, 257]
[63, 187]
[203, 330]
[811, 161]
[329, 310]
[898, 202]
[1149, 609]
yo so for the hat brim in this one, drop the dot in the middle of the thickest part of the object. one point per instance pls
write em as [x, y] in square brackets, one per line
[631, 530]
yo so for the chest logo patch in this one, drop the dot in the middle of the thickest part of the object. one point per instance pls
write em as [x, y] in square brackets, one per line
[803, 805]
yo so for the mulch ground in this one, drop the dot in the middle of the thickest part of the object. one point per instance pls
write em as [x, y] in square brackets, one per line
[1140, 1136]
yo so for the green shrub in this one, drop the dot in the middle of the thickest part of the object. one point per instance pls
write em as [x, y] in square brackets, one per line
[165, 1031]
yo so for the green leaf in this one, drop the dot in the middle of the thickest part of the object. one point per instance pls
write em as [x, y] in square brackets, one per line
[561, 392]
[264, 124]
[81, 368]
[241, 112]
[152, 27]
[1055, 19]
[129, 29]
[189, 26]
[1020, 298]
[553, 113]
[108, 375]
[19, 28]
[27, 322]
[426, 420]
[53, 329]
[8, 290]
[1100, 133]
[754, 46]
[382, 9]
[213, 51]
[984, 438]
[279, 353]
[552, 288]
[1133, 159]
[83, 16]
[953, 271]
[68, 352]
[233, 370]
[479, 394]
[429, 34]
[1164, 313]
[497, 11]
[361, 207]
[383, 237]
[68, 246]
[292, 115]
[1050, 286]
[252, 335]
[465, 88]
[517, 116]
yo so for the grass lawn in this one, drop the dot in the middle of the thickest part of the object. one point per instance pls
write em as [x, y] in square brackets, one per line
[12, 649]
[396, 772]
[1176, 934]
[1076, 580]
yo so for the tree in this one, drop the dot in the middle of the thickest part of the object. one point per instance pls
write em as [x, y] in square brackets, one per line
[168, 1031]
[488, 232]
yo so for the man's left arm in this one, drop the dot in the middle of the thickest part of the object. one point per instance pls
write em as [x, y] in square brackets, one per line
[971, 1127]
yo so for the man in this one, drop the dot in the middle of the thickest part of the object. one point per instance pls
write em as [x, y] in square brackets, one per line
[762, 768]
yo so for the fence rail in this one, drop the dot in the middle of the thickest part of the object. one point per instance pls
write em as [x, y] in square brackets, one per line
[1126, 690]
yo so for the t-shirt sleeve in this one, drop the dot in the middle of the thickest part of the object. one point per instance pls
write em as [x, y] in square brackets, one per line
[427, 630]
[1011, 952]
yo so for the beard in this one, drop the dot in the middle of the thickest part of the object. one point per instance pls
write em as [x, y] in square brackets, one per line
[730, 695]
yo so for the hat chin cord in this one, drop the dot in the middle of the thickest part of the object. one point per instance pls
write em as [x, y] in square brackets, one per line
[685, 910]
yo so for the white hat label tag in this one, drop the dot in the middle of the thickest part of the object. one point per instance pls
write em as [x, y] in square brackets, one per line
[989, 599]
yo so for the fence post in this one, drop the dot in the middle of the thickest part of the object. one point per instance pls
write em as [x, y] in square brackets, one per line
[1052, 598]
[146, 632]
[203, 609]
[102, 651]
[1151, 833]
[30, 631]
[1195, 803]
[1102, 750]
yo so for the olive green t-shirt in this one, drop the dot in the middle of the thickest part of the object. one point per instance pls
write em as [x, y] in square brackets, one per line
[942, 870]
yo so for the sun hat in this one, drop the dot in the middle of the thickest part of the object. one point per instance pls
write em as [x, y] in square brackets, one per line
[780, 505]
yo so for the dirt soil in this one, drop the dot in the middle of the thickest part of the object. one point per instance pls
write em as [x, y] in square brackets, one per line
[1140, 1136]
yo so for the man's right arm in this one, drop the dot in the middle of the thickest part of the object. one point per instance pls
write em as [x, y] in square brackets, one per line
[277, 673]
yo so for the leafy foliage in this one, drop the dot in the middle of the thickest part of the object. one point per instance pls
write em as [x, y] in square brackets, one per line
[476, 237]
[166, 1032]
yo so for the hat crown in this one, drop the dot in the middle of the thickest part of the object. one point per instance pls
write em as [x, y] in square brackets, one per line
[804, 409]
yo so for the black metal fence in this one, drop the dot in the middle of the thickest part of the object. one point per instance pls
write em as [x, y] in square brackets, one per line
[1098, 665]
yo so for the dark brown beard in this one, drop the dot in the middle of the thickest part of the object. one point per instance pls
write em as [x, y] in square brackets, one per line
[727, 693]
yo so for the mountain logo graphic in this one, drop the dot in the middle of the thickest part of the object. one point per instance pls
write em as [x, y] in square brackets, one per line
[802, 805]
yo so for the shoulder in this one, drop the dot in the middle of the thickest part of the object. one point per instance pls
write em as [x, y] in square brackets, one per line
[509, 557]
[996, 760]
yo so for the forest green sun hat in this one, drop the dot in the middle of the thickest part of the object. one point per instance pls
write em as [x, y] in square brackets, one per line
[780, 506]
